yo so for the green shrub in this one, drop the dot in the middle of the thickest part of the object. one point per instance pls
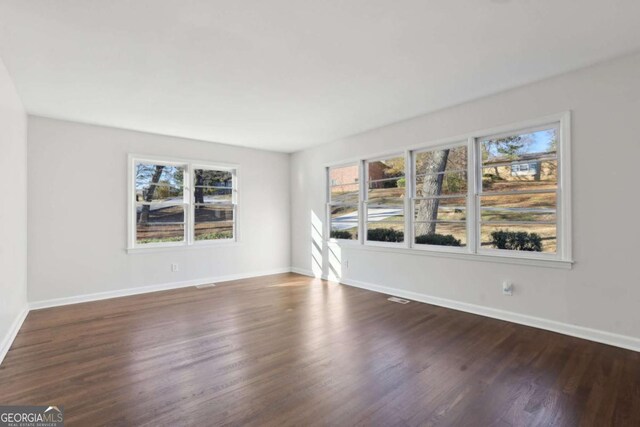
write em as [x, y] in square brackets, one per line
[517, 240]
[438, 239]
[385, 235]
[215, 235]
[341, 234]
[160, 240]
[402, 182]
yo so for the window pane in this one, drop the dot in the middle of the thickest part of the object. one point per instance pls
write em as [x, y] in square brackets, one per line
[520, 160]
[159, 232]
[383, 231]
[439, 161]
[441, 209]
[441, 184]
[212, 195]
[148, 174]
[386, 192]
[213, 222]
[213, 178]
[153, 213]
[385, 214]
[521, 176]
[158, 183]
[343, 175]
[344, 222]
[441, 233]
[159, 193]
[519, 237]
[520, 147]
[520, 207]
[159, 224]
[388, 168]
[347, 193]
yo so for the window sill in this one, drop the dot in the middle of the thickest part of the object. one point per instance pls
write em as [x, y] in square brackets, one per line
[503, 259]
[344, 242]
[207, 245]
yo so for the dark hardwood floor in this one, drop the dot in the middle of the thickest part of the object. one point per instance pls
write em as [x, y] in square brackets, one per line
[291, 350]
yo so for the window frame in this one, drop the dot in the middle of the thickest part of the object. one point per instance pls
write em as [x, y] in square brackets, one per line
[189, 240]
[365, 199]
[233, 203]
[562, 258]
[330, 203]
[560, 249]
[469, 208]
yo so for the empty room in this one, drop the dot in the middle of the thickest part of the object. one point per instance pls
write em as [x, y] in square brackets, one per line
[340, 213]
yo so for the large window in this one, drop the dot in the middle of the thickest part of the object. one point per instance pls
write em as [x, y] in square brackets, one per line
[386, 184]
[518, 191]
[175, 203]
[498, 193]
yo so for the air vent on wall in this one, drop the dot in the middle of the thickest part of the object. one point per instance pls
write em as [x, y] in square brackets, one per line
[398, 300]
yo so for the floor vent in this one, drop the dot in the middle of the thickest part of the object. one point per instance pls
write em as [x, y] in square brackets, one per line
[398, 300]
[208, 285]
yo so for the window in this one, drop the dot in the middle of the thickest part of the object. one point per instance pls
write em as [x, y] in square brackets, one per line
[518, 193]
[177, 203]
[344, 200]
[505, 194]
[160, 203]
[214, 207]
[385, 200]
[440, 196]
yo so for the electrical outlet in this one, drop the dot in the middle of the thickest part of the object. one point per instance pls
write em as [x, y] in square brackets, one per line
[507, 288]
[174, 267]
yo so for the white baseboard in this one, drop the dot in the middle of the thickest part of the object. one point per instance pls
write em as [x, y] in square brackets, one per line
[617, 340]
[305, 272]
[11, 334]
[56, 302]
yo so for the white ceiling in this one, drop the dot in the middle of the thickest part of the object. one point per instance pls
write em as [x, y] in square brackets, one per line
[287, 74]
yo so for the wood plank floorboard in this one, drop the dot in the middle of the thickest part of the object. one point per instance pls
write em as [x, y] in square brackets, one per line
[292, 350]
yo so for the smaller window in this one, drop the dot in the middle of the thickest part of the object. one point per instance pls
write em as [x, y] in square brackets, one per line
[344, 199]
[159, 203]
[179, 204]
[214, 204]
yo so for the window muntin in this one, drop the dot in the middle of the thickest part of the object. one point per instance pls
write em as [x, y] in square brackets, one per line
[385, 196]
[344, 201]
[159, 203]
[518, 192]
[213, 204]
[440, 196]
[178, 203]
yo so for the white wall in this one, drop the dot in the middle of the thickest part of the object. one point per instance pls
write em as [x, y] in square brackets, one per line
[78, 212]
[602, 291]
[13, 210]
